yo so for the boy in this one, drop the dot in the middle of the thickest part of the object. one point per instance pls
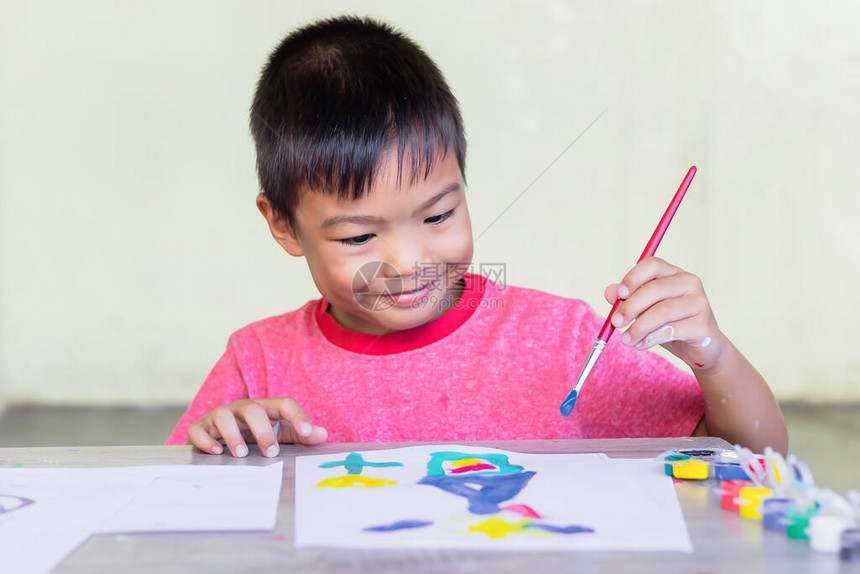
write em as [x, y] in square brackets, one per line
[361, 159]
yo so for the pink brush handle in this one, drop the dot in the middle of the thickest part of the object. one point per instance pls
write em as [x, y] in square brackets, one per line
[651, 246]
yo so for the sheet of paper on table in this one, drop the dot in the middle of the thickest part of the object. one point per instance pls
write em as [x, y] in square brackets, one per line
[451, 496]
[49, 512]
[202, 498]
[45, 513]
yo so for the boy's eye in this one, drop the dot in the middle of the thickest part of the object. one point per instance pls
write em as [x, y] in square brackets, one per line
[437, 219]
[357, 240]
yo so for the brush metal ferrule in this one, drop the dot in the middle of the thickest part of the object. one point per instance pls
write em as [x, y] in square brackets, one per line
[593, 356]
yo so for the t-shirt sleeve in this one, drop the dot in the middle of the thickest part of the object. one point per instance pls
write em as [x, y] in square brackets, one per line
[634, 393]
[226, 383]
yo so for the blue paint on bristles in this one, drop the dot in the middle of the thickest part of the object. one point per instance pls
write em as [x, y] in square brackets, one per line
[568, 404]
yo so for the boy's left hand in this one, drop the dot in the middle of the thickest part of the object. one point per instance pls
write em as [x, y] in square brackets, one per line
[668, 307]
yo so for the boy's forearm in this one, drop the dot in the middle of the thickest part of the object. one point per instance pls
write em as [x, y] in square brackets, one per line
[739, 405]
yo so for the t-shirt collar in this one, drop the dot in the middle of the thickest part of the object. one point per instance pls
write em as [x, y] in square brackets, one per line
[410, 339]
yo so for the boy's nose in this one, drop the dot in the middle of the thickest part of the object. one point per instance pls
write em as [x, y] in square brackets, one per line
[402, 260]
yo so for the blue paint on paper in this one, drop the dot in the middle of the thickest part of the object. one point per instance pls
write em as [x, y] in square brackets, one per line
[10, 502]
[399, 525]
[354, 463]
[434, 467]
[484, 492]
[572, 529]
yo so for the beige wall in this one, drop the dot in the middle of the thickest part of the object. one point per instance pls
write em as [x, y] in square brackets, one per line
[130, 246]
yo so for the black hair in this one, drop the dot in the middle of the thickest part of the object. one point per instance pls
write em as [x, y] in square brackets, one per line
[334, 97]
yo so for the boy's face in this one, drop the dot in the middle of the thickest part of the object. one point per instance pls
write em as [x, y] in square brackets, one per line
[391, 260]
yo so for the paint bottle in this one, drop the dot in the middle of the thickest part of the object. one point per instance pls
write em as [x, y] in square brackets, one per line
[730, 492]
[670, 460]
[773, 513]
[730, 471]
[699, 452]
[692, 469]
[825, 532]
[850, 544]
[751, 500]
[797, 521]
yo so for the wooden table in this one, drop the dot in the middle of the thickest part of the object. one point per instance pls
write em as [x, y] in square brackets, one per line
[722, 541]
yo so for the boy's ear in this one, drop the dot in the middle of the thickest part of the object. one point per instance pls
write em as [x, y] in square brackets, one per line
[281, 229]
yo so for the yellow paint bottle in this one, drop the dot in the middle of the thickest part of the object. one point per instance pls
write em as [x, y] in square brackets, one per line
[693, 469]
[751, 501]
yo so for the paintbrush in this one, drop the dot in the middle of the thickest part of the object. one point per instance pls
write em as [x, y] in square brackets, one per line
[608, 328]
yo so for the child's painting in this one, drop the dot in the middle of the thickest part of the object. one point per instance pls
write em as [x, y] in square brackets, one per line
[483, 498]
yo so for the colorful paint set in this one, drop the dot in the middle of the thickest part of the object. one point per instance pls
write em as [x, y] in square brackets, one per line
[779, 492]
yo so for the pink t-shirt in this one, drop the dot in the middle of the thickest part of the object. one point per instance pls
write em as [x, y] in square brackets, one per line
[495, 367]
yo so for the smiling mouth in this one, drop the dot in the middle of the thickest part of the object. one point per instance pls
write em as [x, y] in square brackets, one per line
[425, 287]
[408, 298]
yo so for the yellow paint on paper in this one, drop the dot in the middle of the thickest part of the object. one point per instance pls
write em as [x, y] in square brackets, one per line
[496, 527]
[466, 462]
[354, 480]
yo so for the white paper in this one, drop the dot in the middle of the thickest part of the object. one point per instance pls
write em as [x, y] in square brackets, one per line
[47, 512]
[630, 505]
[56, 510]
[648, 482]
[202, 498]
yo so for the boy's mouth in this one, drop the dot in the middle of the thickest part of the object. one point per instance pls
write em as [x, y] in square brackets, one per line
[406, 298]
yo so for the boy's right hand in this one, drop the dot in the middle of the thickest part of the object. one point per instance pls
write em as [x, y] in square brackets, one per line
[266, 422]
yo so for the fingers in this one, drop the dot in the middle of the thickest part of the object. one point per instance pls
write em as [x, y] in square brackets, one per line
[227, 427]
[318, 435]
[646, 270]
[642, 275]
[203, 440]
[653, 322]
[611, 293]
[297, 427]
[663, 303]
[260, 426]
[687, 330]
[266, 422]
[684, 287]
